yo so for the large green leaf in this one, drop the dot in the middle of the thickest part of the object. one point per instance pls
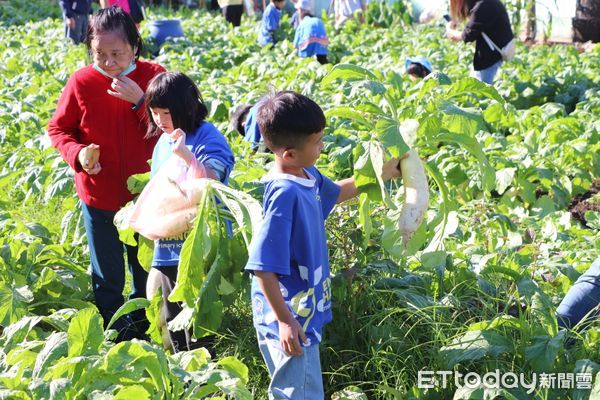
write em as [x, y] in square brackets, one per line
[197, 254]
[136, 183]
[543, 313]
[460, 120]
[13, 303]
[14, 334]
[133, 392]
[365, 177]
[474, 147]
[388, 133]
[588, 387]
[347, 72]
[473, 87]
[85, 334]
[473, 346]
[153, 313]
[144, 364]
[543, 351]
[145, 252]
[349, 113]
[128, 307]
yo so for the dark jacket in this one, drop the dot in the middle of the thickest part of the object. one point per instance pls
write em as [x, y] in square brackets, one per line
[487, 16]
[71, 7]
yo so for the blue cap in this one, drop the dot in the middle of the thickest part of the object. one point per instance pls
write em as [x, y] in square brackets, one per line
[418, 60]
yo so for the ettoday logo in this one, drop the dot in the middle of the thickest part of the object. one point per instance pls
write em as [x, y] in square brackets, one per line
[504, 380]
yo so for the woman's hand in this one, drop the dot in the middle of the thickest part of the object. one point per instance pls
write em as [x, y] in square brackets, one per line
[88, 159]
[70, 23]
[126, 89]
[452, 33]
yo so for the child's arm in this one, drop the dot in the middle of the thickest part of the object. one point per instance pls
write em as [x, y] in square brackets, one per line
[289, 327]
[348, 189]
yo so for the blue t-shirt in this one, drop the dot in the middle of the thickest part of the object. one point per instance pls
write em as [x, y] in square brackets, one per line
[251, 128]
[211, 149]
[292, 243]
[311, 38]
[269, 24]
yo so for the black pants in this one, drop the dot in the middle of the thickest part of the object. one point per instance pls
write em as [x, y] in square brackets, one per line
[180, 340]
[233, 14]
[108, 272]
[322, 58]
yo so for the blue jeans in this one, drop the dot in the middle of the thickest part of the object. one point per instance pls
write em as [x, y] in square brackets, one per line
[78, 33]
[487, 75]
[292, 378]
[108, 272]
[582, 299]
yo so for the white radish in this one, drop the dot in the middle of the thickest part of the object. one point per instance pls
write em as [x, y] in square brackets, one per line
[416, 195]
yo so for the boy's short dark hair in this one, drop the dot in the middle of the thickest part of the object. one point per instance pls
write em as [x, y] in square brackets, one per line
[417, 70]
[286, 119]
[179, 94]
[238, 119]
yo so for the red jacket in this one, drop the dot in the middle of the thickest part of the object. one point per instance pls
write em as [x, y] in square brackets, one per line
[86, 114]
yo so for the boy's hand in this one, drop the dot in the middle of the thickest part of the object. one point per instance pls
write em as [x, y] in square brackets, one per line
[391, 169]
[289, 332]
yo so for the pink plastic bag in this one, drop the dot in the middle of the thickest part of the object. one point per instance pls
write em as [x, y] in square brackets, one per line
[169, 202]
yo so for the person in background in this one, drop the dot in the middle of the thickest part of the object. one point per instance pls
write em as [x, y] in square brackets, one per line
[232, 11]
[102, 108]
[270, 22]
[310, 38]
[344, 10]
[243, 121]
[178, 113]
[484, 17]
[417, 67]
[581, 305]
[76, 15]
[131, 7]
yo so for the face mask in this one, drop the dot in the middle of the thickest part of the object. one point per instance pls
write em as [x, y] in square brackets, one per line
[127, 70]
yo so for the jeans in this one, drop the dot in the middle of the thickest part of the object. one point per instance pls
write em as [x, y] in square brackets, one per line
[108, 272]
[292, 378]
[582, 298]
[78, 33]
[487, 75]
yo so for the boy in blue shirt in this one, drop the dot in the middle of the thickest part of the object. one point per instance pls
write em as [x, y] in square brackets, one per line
[270, 22]
[291, 292]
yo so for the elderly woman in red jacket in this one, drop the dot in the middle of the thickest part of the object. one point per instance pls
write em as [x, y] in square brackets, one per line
[102, 108]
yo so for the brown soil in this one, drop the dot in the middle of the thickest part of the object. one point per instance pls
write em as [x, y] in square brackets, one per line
[581, 203]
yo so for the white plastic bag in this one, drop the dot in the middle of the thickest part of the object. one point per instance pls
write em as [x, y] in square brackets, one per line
[168, 204]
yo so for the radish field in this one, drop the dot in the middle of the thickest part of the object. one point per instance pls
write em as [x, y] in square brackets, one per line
[513, 217]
